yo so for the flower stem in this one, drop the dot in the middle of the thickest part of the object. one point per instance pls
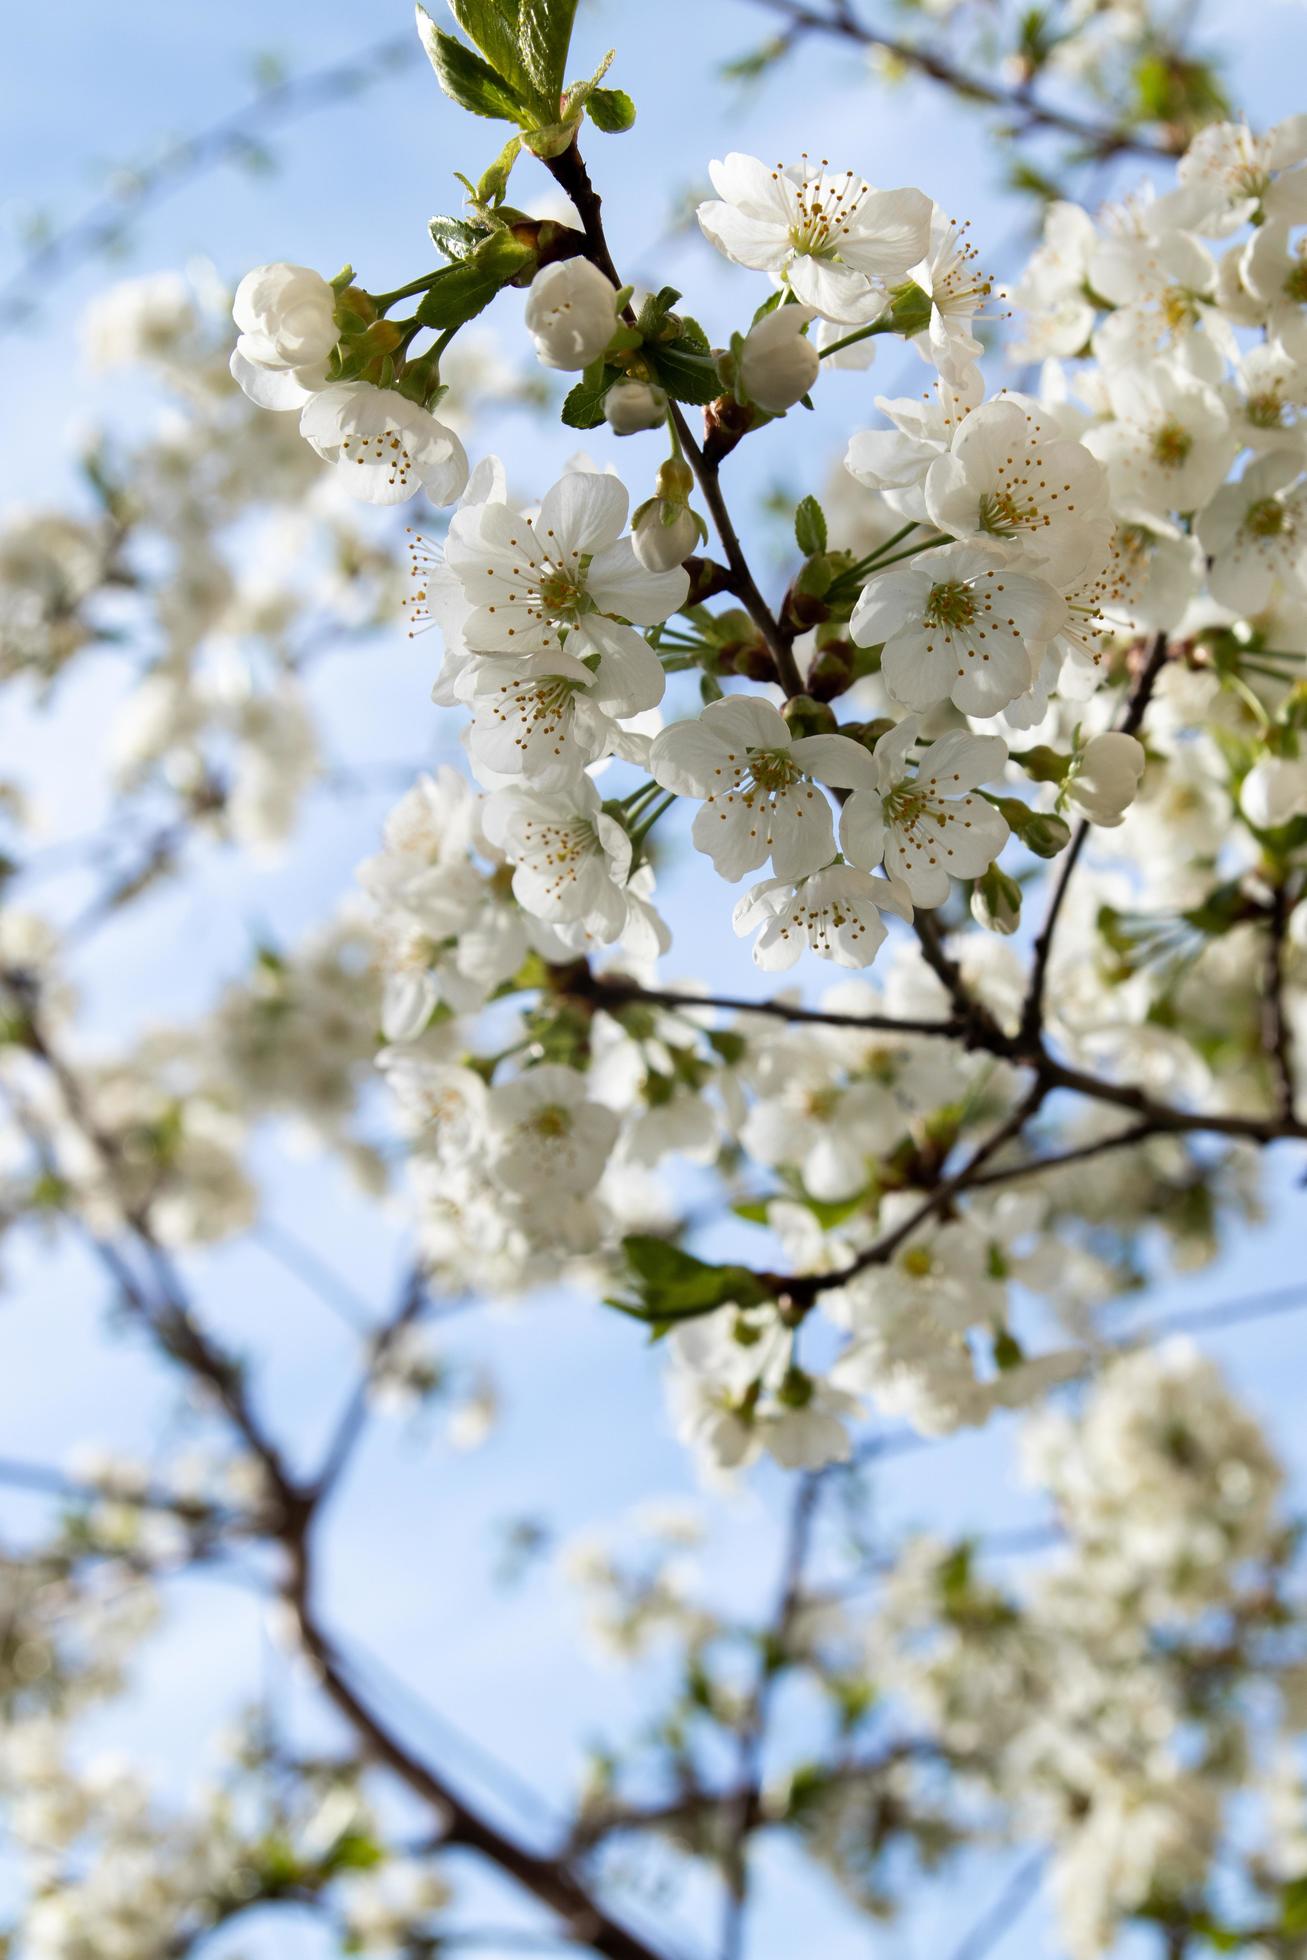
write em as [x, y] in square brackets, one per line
[885, 324]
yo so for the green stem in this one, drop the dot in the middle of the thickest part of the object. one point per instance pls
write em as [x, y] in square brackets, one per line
[883, 564]
[642, 830]
[872, 557]
[885, 324]
[384, 301]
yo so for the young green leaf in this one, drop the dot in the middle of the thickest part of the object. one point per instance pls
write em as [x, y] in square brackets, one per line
[462, 290]
[495, 27]
[810, 527]
[611, 109]
[465, 77]
[545, 29]
[685, 367]
[584, 406]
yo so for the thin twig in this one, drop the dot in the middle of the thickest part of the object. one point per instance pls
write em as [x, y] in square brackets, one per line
[1100, 139]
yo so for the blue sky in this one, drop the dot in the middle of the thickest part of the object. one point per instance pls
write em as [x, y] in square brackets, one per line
[85, 89]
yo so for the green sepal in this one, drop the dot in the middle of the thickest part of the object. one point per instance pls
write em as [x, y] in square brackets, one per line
[492, 185]
[910, 309]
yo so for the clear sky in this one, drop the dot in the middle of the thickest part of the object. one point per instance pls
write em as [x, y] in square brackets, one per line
[85, 89]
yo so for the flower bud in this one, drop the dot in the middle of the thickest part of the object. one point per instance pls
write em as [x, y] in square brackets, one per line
[996, 901]
[675, 479]
[1106, 777]
[831, 672]
[808, 717]
[1274, 792]
[630, 406]
[571, 313]
[778, 363]
[663, 535]
[286, 315]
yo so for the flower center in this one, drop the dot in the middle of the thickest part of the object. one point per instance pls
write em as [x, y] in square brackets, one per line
[1295, 285]
[558, 850]
[951, 605]
[1265, 518]
[1172, 445]
[385, 450]
[772, 769]
[1003, 515]
[827, 208]
[1178, 308]
[1266, 411]
[551, 1122]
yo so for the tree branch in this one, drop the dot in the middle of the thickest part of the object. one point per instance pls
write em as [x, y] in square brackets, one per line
[1102, 140]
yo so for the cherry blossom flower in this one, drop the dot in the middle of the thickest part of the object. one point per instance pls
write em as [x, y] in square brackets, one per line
[566, 574]
[958, 624]
[571, 313]
[828, 238]
[544, 1135]
[385, 448]
[835, 913]
[927, 827]
[572, 859]
[1007, 479]
[957, 292]
[1105, 777]
[287, 320]
[757, 783]
[1256, 533]
[778, 363]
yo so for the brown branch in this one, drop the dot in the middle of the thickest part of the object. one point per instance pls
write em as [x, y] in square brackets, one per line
[412, 1300]
[614, 991]
[803, 1291]
[1102, 140]
[1081, 1153]
[1032, 1013]
[168, 1318]
[743, 1811]
[570, 173]
[547, 1879]
[1277, 1037]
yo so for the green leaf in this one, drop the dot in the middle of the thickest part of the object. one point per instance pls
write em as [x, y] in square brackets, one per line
[685, 366]
[465, 77]
[610, 109]
[1293, 1906]
[462, 291]
[453, 238]
[584, 407]
[545, 34]
[670, 1284]
[810, 527]
[495, 26]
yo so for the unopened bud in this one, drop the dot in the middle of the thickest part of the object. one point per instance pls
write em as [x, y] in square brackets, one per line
[630, 406]
[664, 535]
[831, 672]
[996, 901]
[808, 717]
